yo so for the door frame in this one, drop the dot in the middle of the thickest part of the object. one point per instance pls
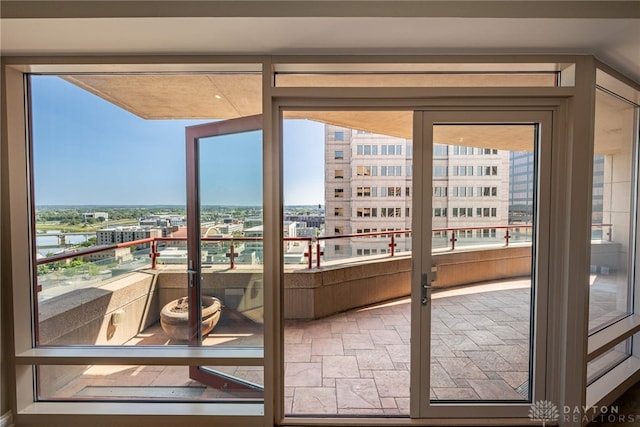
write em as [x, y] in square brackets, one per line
[552, 103]
[424, 121]
[193, 134]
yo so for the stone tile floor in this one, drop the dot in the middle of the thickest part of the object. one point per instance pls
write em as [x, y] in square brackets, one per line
[358, 362]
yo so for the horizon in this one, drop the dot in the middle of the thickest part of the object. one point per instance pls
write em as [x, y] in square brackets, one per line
[88, 151]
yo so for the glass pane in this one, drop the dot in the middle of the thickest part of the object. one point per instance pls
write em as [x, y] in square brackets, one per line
[608, 360]
[484, 185]
[347, 323]
[141, 383]
[231, 238]
[423, 74]
[100, 201]
[613, 212]
[416, 80]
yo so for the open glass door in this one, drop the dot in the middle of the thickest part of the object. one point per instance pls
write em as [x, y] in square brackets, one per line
[224, 238]
[479, 294]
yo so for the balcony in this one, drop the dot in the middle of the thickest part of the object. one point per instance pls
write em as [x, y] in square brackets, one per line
[347, 326]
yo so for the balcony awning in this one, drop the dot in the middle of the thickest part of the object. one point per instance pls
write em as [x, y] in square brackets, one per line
[229, 95]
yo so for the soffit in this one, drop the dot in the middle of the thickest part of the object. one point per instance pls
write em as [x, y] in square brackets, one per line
[225, 96]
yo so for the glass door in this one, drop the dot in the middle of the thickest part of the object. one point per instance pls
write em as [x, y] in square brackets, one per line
[480, 241]
[224, 253]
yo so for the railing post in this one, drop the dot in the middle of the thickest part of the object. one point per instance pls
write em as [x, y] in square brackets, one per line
[507, 237]
[232, 256]
[392, 245]
[609, 233]
[453, 240]
[154, 255]
[310, 254]
[318, 253]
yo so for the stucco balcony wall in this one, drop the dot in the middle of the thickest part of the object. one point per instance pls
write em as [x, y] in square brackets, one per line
[315, 293]
[107, 315]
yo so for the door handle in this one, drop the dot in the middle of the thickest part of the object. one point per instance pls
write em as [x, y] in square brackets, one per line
[425, 289]
[425, 285]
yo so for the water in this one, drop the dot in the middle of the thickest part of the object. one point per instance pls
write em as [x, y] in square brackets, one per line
[50, 244]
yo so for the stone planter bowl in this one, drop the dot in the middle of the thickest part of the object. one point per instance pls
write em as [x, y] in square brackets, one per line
[174, 317]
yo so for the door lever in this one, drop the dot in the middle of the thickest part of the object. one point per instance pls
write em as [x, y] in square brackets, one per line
[191, 274]
[425, 289]
[425, 284]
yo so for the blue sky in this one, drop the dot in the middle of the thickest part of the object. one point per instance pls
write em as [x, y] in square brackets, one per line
[88, 151]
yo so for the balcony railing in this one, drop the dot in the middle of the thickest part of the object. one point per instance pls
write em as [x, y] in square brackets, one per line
[449, 239]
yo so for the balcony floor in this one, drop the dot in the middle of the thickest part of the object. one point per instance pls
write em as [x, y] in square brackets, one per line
[358, 362]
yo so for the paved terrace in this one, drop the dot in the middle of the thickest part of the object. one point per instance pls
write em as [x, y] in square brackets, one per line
[357, 362]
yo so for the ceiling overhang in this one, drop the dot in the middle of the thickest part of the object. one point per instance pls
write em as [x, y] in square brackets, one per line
[219, 96]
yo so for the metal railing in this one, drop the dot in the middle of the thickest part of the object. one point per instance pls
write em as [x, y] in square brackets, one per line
[452, 234]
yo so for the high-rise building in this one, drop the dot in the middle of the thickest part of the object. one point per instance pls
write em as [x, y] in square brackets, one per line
[368, 188]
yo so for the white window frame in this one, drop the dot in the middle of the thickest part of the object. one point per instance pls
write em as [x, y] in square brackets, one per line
[567, 365]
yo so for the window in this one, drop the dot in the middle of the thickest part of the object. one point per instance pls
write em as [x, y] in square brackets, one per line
[338, 230]
[439, 191]
[338, 211]
[338, 174]
[438, 212]
[487, 170]
[394, 191]
[359, 149]
[390, 212]
[363, 170]
[440, 150]
[440, 171]
[407, 191]
[338, 136]
[338, 155]
[366, 212]
[363, 191]
[338, 192]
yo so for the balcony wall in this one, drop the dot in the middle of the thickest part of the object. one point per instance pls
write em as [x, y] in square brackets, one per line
[107, 315]
[312, 294]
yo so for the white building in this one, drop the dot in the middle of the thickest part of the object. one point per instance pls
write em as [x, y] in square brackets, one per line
[368, 189]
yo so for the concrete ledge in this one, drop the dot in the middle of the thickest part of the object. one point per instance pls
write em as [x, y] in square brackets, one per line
[316, 293]
[481, 265]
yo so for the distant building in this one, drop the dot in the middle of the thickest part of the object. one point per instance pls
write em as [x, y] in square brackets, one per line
[95, 215]
[368, 188]
[306, 231]
[253, 251]
[112, 236]
[310, 220]
[168, 221]
[229, 228]
[118, 255]
[252, 222]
